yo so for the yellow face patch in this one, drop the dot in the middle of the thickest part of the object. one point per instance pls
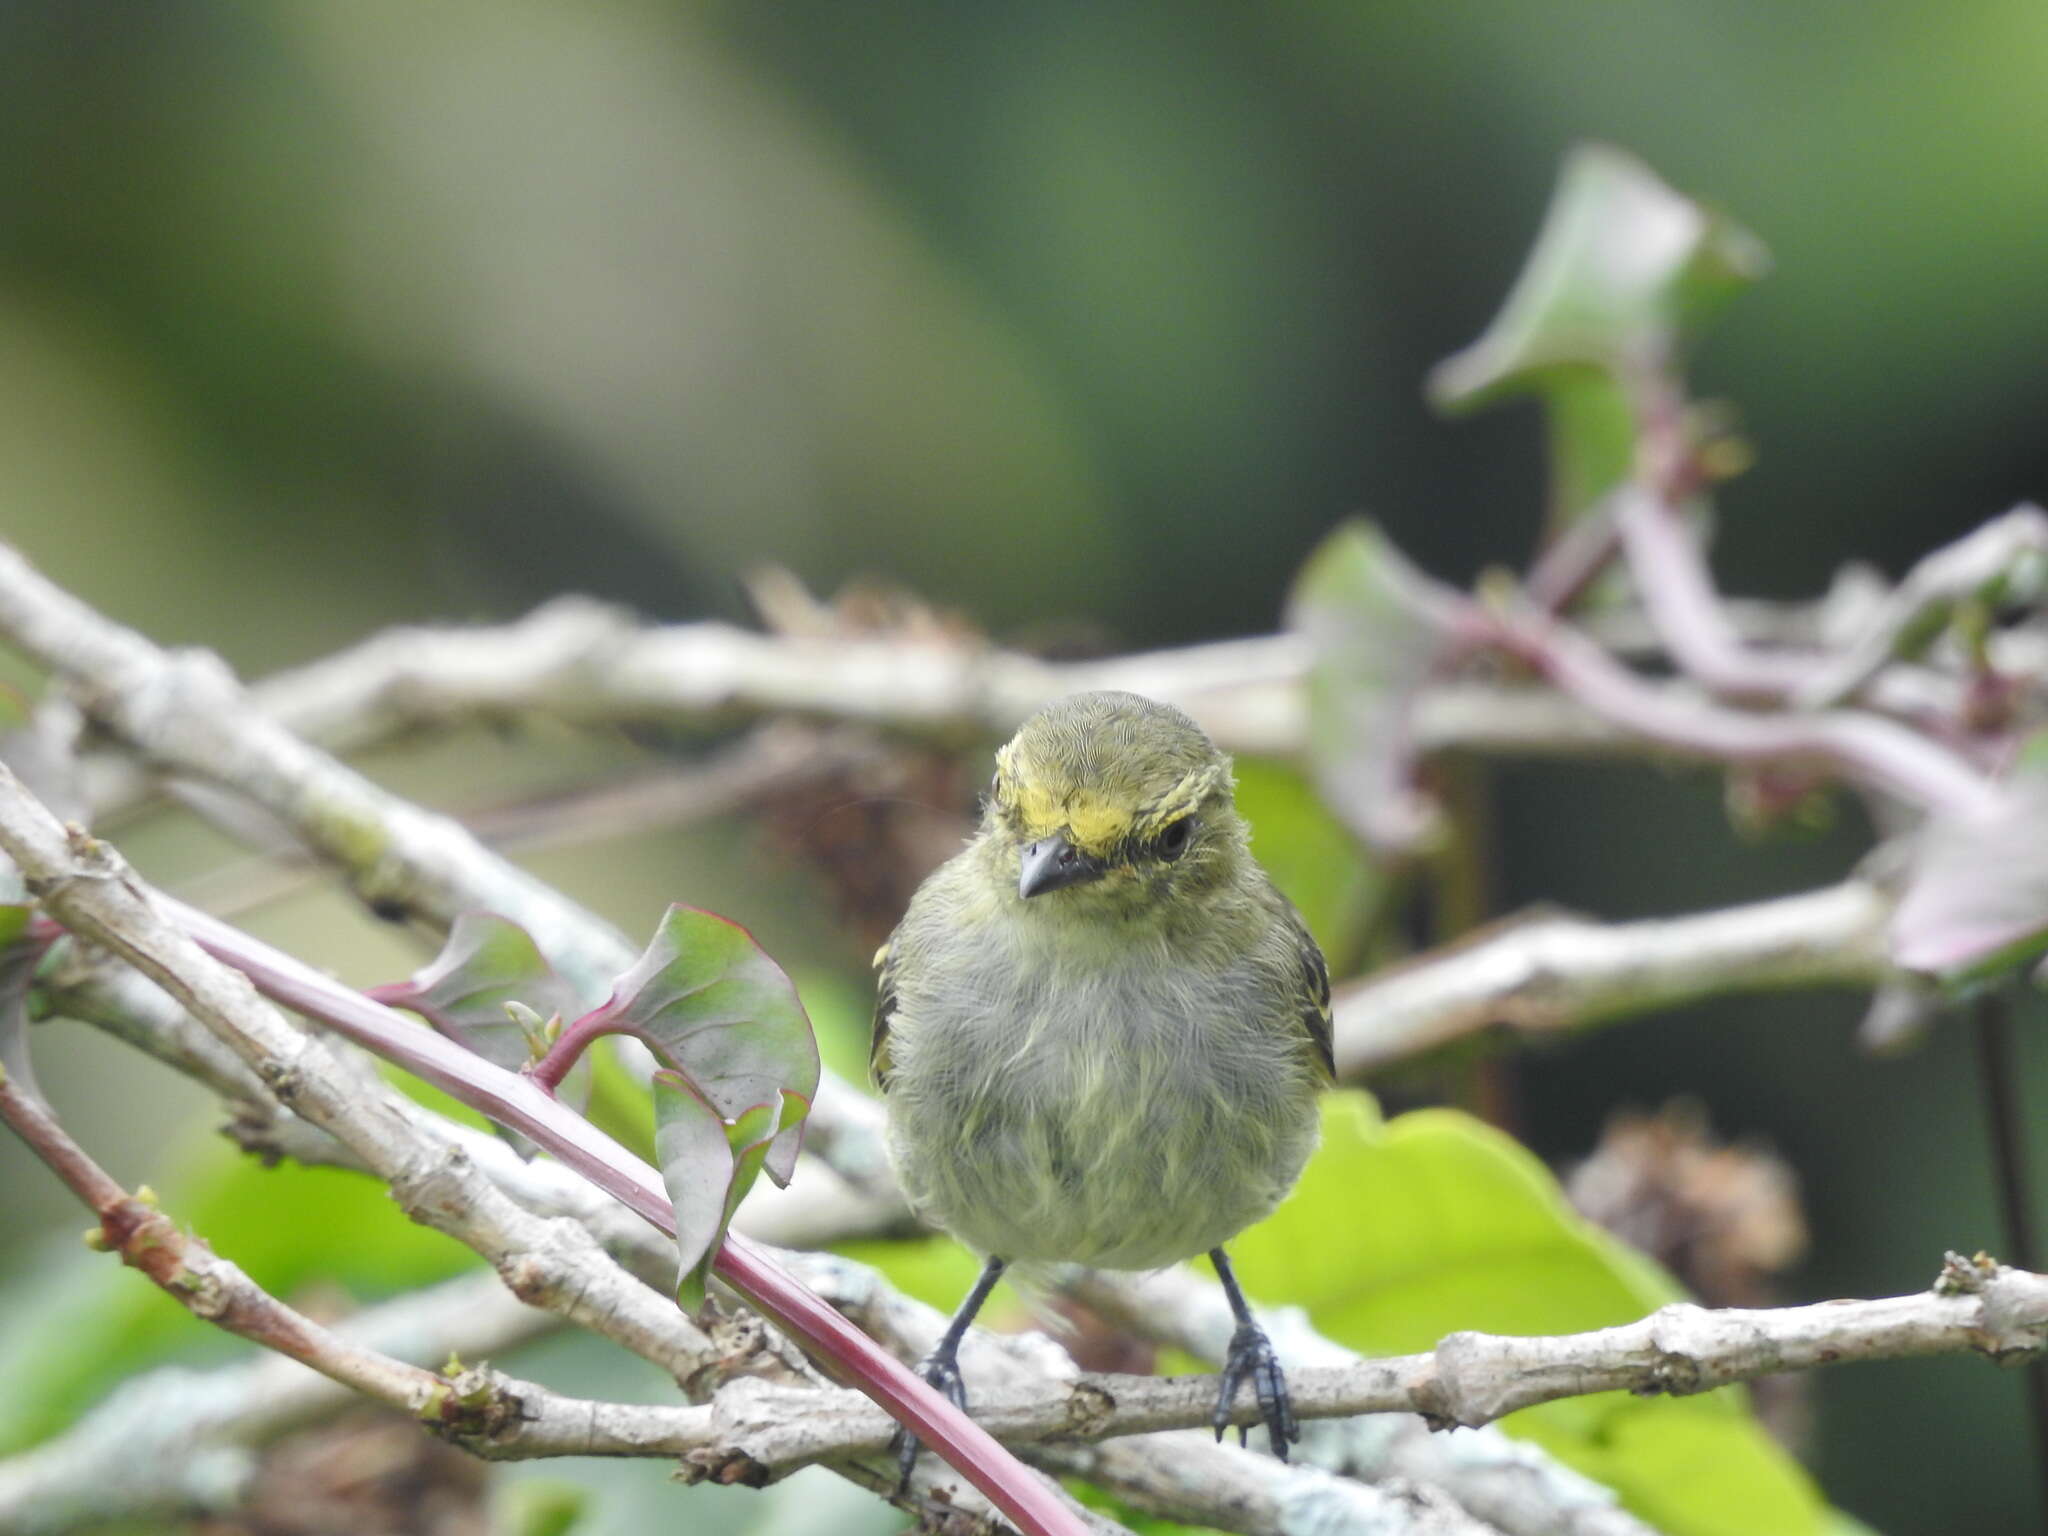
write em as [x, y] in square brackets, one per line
[1092, 824]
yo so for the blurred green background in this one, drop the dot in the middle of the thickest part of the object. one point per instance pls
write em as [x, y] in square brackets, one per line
[1087, 320]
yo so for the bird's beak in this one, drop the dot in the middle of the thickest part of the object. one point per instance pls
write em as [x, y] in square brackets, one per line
[1053, 862]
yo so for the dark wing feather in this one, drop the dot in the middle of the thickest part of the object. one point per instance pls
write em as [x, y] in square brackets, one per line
[885, 1005]
[1315, 976]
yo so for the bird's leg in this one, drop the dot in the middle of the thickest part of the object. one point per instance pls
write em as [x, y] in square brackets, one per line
[1251, 1358]
[941, 1368]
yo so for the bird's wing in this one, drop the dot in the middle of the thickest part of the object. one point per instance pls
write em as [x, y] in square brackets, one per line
[885, 1005]
[1315, 994]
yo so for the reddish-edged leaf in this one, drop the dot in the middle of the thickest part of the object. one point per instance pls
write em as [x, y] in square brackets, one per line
[1377, 626]
[712, 1006]
[488, 961]
[485, 991]
[708, 1164]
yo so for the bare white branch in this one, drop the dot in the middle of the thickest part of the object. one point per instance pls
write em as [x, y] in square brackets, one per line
[1547, 972]
[582, 661]
[1506, 1482]
[186, 714]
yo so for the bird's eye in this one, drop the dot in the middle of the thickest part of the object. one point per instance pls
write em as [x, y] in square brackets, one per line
[1173, 842]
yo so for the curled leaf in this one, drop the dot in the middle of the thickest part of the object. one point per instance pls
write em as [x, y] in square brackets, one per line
[1376, 626]
[1621, 271]
[538, 1033]
[486, 990]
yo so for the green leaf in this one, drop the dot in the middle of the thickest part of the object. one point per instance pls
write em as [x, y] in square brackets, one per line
[539, 1506]
[1590, 432]
[713, 1007]
[1975, 903]
[708, 1164]
[1376, 626]
[1622, 270]
[1404, 1231]
[488, 962]
[482, 991]
[1305, 849]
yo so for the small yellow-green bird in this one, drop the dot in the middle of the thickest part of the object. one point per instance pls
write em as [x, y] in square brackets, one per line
[1100, 1027]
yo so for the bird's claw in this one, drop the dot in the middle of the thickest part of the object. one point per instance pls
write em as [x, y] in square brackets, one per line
[940, 1371]
[1251, 1358]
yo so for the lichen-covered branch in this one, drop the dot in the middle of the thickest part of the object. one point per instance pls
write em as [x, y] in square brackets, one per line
[1975, 1306]
[1508, 1483]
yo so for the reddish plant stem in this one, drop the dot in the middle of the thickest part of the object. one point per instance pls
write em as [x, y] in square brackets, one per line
[1665, 555]
[569, 1046]
[1865, 748]
[1573, 561]
[1670, 571]
[523, 1105]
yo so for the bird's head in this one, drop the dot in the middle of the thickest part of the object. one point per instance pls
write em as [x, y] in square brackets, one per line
[1114, 795]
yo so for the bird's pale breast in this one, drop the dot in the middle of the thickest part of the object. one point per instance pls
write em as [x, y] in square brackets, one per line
[1114, 1104]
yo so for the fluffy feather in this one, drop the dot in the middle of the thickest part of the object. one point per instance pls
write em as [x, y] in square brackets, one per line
[1122, 1072]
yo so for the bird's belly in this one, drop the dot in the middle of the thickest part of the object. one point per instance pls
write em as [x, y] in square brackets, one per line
[1101, 1126]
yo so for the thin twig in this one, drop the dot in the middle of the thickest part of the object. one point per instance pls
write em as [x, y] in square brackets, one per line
[210, 1287]
[1670, 570]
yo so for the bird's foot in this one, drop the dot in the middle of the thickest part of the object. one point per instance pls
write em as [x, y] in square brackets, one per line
[941, 1372]
[1251, 1358]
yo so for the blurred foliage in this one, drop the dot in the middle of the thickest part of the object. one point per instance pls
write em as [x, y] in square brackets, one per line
[1078, 318]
